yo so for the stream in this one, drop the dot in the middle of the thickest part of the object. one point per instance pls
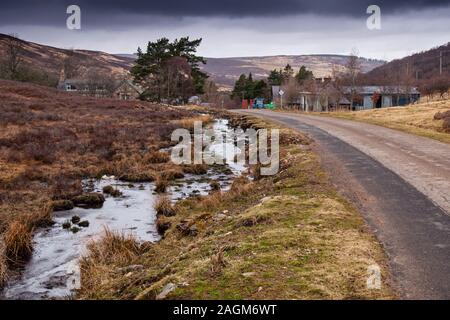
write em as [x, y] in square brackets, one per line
[57, 250]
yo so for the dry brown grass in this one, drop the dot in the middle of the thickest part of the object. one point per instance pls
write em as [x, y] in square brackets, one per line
[189, 123]
[172, 174]
[156, 157]
[50, 140]
[18, 235]
[195, 168]
[161, 185]
[445, 117]
[162, 224]
[307, 243]
[3, 263]
[218, 262]
[163, 207]
[215, 185]
[114, 249]
[18, 242]
[416, 119]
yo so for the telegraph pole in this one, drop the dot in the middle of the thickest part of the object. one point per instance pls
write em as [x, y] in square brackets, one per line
[281, 92]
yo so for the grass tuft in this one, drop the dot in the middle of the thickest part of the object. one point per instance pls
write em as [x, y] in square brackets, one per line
[163, 206]
[18, 243]
[161, 185]
[113, 249]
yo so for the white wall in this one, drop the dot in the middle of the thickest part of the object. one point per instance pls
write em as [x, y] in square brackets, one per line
[368, 104]
[386, 102]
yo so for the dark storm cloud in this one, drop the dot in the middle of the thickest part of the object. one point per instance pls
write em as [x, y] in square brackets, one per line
[122, 11]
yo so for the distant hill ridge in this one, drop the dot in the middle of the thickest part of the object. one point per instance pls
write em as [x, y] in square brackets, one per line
[423, 65]
[224, 71]
[50, 59]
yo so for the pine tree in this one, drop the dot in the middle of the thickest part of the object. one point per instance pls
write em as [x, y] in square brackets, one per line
[303, 74]
[155, 69]
[275, 77]
[247, 88]
[288, 72]
[240, 87]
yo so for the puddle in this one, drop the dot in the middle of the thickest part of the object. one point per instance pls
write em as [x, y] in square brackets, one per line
[56, 250]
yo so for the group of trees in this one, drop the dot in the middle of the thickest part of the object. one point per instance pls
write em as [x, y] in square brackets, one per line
[247, 88]
[170, 71]
[283, 76]
[435, 86]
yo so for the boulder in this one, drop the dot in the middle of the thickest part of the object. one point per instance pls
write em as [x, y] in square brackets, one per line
[89, 200]
[83, 224]
[75, 219]
[62, 205]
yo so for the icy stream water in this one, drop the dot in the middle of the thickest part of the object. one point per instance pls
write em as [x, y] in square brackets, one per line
[57, 250]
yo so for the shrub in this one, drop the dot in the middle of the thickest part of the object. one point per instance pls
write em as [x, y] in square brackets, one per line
[196, 169]
[18, 242]
[446, 125]
[3, 264]
[256, 171]
[156, 157]
[162, 225]
[161, 185]
[215, 185]
[113, 249]
[217, 262]
[137, 177]
[163, 207]
[89, 200]
[40, 152]
[62, 205]
[65, 187]
[446, 117]
[172, 174]
[442, 115]
[112, 191]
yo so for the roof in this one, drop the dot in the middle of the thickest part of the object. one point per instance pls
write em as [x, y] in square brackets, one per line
[129, 83]
[74, 81]
[382, 89]
[344, 100]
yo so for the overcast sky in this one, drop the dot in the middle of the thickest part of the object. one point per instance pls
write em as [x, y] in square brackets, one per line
[236, 27]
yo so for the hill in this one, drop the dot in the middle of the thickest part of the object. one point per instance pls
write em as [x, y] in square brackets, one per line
[225, 71]
[421, 66]
[50, 59]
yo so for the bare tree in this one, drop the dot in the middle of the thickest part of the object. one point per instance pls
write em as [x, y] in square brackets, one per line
[336, 88]
[13, 56]
[99, 83]
[71, 65]
[211, 94]
[353, 70]
[291, 91]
